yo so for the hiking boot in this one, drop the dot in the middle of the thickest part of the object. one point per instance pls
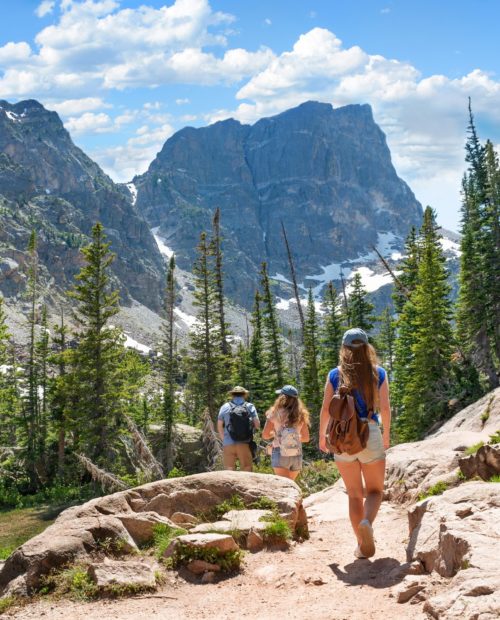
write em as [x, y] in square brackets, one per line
[358, 554]
[367, 544]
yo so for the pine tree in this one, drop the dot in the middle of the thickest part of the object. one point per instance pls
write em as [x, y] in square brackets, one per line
[272, 338]
[205, 336]
[360, 309]
[59, 392]
[311, 391]
[42, 355]
[331, 331]
[430, 375]
[386, 341]
[9, 396]
[258, 381]
[99, 381]
[169, 365]
[405, 323]
[30, 400]
[479, 297]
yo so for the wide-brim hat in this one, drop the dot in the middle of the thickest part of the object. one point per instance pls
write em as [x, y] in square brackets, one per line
[238, 389]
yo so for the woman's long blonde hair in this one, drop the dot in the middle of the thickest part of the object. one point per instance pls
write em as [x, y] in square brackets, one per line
[358, 370]
[295, 409]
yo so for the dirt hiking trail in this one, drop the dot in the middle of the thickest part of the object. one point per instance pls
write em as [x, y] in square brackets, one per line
[319, 579]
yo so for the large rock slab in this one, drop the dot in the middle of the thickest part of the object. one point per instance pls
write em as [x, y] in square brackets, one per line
[456, 535]
[111, 574]
[413, 468]
[129, 516]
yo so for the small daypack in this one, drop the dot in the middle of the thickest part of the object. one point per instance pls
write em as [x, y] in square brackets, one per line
[289, 440]
[346, 431]
[240, 426]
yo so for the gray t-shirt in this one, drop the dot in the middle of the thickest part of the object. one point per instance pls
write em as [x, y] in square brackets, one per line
[224, 416]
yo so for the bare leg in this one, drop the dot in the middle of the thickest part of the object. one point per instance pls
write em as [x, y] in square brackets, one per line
[351, 475]
[286, 473]
[229, 457]
[373, 474]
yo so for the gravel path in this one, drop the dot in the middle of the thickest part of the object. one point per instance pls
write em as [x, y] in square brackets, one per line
[319, 579]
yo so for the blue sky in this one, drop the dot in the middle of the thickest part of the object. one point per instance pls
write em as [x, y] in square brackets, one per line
[124, 75]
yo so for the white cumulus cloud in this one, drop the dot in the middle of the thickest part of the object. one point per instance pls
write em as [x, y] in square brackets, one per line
[45, 7]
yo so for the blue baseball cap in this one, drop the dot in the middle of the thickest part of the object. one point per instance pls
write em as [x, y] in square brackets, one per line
[288, 390]
[356, 333]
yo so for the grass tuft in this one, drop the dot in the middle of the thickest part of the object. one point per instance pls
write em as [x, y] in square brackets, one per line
[7, 602]
[163, 535]
[438, 489]
[277, 530]
[473, 449]
[229, 561]
[495, 478]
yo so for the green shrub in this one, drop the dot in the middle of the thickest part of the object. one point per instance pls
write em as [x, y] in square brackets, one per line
[495, 478]
[233, 503]
[495, 438]
[264, 503]
[438, 489]
[229, 561]
[277, 530]
[461, 476]
[7, 602]
[73, 582]
[317, 475]
[473, 449]
[176, 472]
[163, 535]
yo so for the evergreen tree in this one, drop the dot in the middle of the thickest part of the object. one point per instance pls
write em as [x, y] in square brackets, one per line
[272, 338]
[219, 282]
[258, 381]
[30, 400]
[405, 323]
[428, 389]
[479, 297]
[331, 331]
[58, 392]
[360, 309]
[169, 365]
[205, 336]
[42, 355]
[386, 341]
[9, 395]
[99, 381]
[311, 391]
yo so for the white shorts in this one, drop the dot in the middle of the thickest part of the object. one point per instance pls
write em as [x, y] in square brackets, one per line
[374, 450]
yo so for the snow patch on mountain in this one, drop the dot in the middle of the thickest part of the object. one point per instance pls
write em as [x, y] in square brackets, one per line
[133, 191]
[131, 343]
[160, 242]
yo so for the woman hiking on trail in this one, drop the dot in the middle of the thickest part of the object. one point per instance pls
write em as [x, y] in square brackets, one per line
[368, 384]
[287, 423]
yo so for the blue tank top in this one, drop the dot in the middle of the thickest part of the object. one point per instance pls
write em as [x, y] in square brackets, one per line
[361, 407]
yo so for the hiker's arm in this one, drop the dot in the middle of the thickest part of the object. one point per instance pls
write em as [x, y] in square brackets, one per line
[304, 433]
[268, 430]
[220, 428]
[385, 412]
[255, 419]
[325, 415]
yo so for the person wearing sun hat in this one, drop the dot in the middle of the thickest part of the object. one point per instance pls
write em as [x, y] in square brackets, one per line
[236, 422]
[359, 373]
[287, 424]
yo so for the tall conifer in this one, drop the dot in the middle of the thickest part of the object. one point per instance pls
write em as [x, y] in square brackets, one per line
[331, 330]
[272, 335]
[169, 365]
[360, 309]
[311, 392]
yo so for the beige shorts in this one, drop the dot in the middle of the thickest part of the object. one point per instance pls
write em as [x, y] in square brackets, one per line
[374, 450]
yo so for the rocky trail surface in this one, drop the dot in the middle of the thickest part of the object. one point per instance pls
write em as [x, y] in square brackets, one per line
[318, 579]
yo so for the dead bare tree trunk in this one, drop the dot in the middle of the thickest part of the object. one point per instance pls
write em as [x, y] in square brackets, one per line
[212, 443]
[108, 482]
[294, 279]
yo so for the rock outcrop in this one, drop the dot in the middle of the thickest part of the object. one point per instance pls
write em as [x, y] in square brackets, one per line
[125, 520]
[413, 468]
[325, 172]
[456, 535]
[49, 184]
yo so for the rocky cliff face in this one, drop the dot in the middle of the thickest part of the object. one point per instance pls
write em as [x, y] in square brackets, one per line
[326, 173]
[50, 185]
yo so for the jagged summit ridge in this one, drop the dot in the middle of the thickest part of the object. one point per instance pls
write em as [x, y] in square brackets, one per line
[326, 172]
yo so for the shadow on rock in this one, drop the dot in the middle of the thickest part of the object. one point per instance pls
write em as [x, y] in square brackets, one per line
[382, 573]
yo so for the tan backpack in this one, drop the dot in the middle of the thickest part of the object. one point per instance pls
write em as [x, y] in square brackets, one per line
[346, 432]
